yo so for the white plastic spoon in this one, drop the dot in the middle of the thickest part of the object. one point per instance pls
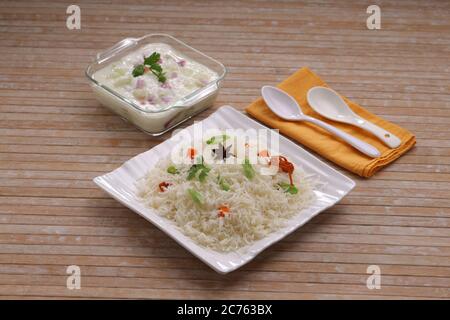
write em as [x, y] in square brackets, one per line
[284, 106]
[329, 104]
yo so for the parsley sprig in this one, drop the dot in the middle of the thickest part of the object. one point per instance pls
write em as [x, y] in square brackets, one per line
[198, 170]
[153, 65]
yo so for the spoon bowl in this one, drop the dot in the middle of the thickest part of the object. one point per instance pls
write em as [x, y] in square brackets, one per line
[329, 104]
[287, 108]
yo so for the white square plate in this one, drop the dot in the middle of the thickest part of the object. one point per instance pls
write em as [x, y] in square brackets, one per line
[120, 184]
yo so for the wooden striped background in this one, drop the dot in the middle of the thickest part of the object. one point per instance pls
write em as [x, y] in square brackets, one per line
[55, 137]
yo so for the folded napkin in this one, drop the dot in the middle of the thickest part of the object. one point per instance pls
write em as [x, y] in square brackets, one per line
[324, 143]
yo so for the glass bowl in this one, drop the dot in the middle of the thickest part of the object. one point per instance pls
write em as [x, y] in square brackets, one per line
[155, 122]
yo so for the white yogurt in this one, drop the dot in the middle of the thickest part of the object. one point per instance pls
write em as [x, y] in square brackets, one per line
[183, 77]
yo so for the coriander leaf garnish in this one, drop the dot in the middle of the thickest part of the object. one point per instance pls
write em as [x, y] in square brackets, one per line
[199, 171]
[138, 70]
[160, 75]
[153, 65]
[156, 67]
[152, 59]
[213, 139]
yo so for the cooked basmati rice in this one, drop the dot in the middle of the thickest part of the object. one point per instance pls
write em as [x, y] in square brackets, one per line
[257, 206]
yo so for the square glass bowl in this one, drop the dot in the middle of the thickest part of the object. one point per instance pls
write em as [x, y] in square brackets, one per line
[160, 121]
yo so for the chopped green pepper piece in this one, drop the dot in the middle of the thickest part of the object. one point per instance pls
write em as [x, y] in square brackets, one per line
[172, 170]
[223, 185]
[195, 196]
[249, 172]
[288, 188]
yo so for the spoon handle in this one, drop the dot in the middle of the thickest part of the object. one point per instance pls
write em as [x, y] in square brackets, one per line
[358, 144]
[391, 140]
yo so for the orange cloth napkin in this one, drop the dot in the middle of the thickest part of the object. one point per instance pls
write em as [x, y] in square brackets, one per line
[324, 143]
